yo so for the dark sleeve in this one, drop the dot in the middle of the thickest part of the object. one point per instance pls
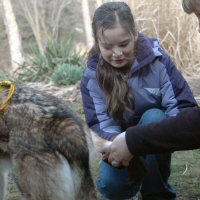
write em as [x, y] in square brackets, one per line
[181, 132]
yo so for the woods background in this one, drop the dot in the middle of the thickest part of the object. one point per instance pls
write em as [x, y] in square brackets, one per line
[28, 23]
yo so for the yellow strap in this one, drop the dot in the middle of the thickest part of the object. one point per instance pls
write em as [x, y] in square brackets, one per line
[7, 84]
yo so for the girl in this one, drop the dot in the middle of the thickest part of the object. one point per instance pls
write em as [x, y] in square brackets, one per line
[130, 80]
[147, 139]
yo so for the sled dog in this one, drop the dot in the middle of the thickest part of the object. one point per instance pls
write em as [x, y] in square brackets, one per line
[46, 145]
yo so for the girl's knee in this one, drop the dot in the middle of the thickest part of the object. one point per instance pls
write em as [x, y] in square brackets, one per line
[152, 115]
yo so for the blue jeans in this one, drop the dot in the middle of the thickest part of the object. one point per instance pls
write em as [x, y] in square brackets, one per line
[115, 184]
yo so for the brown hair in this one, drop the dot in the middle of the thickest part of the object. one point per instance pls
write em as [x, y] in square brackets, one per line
[189, 5]
[113, 81]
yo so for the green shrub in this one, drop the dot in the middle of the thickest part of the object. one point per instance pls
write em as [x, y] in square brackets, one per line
[67, 74]
[41, 67]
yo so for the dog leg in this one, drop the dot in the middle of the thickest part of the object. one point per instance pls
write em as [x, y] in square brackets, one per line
[99, 143]
[45, 176]
[5, 166]
[87, 190]
[96, 144]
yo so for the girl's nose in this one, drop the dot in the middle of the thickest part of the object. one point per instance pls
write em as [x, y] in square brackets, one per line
[117, 52]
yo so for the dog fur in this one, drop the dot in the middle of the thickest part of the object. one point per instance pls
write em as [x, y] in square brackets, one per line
[47, 146]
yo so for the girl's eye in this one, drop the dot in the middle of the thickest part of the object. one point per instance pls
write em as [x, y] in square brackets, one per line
[124, 45]
[107, 47]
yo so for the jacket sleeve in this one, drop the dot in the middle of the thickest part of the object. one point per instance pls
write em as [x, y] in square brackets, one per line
[175, 91]
[181, 132]
[94, 105]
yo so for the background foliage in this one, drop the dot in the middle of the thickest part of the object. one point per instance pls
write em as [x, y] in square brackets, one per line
[59, 63]
[43, 23]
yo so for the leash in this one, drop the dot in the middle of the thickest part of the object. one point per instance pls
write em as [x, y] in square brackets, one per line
[3, 86]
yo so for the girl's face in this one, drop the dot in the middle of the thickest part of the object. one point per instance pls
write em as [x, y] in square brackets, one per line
[117, 46]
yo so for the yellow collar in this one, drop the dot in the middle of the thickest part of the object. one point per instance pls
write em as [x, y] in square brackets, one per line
[3, 85]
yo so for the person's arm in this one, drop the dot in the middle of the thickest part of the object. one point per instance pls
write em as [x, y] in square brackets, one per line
[181, 132]
[175, 133]
[94, 104]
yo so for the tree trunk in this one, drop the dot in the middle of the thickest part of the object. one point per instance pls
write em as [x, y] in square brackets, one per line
[98, 3]
[14, 38]
[87, 23]
[32, 15]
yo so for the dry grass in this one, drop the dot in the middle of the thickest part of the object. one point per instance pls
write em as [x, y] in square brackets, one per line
[163, 19]
[176, 31]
